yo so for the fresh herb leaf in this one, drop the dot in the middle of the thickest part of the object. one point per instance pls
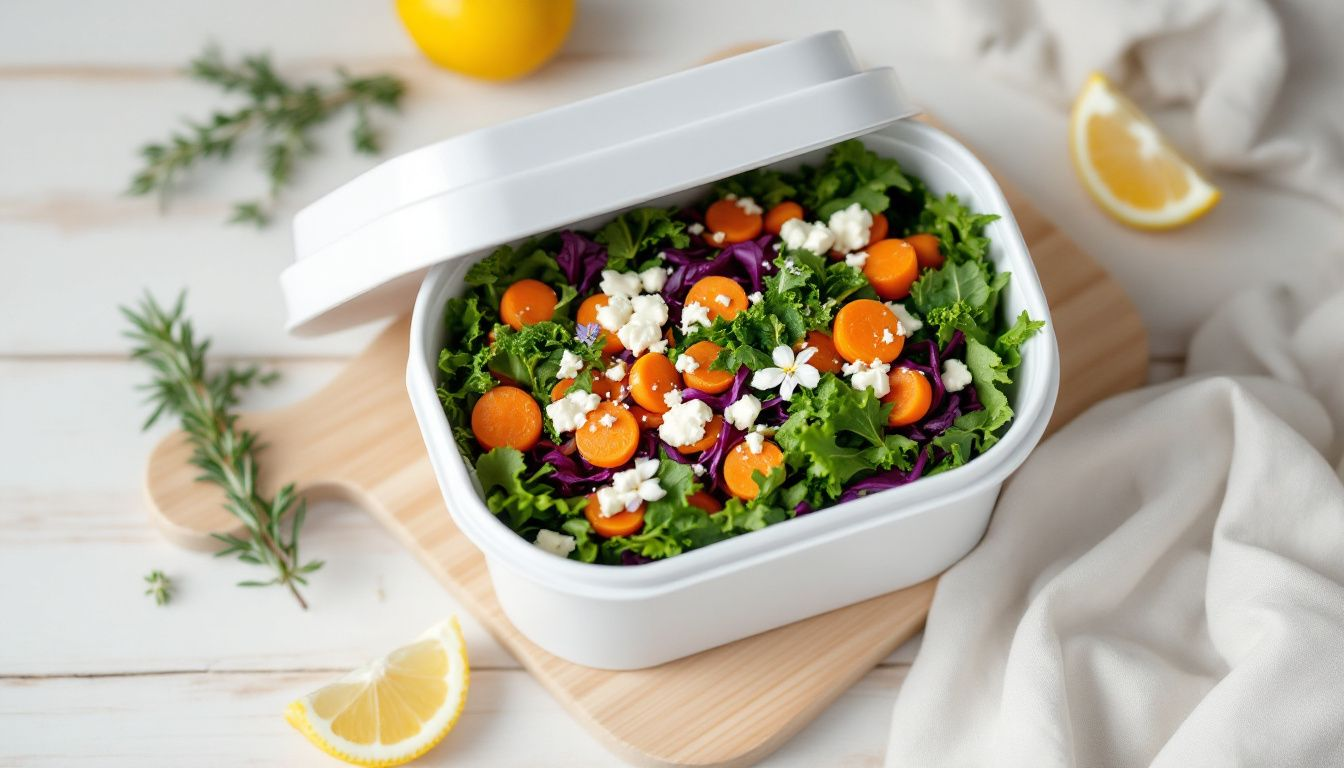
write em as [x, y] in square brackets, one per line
[527, 503]
[851, 174]
[636, 232]
[959, 229]
[159, 586]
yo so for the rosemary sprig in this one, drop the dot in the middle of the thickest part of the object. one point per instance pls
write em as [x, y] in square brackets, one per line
[160, 587]
[281, 113]
[226, 455]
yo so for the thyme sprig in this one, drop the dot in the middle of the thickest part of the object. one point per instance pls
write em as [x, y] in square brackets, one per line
[280, 113]
[159, 586]
[203, 402]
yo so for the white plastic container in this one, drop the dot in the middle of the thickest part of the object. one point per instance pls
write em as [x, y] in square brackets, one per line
[630, 617]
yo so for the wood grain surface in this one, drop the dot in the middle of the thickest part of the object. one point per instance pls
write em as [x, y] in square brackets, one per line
[357, 439]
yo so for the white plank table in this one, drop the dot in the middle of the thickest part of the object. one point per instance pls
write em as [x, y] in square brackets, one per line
[91, 672]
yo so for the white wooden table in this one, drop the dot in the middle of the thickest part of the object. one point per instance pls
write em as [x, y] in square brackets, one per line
[91, 672]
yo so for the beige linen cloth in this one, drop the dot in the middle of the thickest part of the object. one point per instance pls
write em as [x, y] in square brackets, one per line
[1163, 580]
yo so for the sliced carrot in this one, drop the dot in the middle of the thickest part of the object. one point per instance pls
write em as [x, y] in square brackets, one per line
[506, 416]
[645, 418]
[704, 378]
[866, 330]
[879, 229]
[910, 397]
[928, 250]
[526, 302]
[608, 442]
[737, 225]
[712, 430]
[622, 523]
[891, 268]
[740, 463]
[650, 379]
[602, 387]
[587, 315]
[722, 295]
[825, 359]
[785, 211]
[705, 501]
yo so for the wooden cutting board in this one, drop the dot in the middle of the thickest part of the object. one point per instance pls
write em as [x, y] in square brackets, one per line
[357, 439]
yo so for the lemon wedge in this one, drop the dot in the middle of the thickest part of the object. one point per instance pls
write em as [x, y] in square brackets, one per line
[1128, 166]
[394, 709]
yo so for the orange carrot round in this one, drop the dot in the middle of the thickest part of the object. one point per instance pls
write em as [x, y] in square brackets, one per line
[650, 379]
[587, 314]
[910, 397]
[825, 359]
[608, 442]
[602, 387]
[785, 211]
[892, 268]
[622, 523]
[879, 229]
[506, 416]
[704, 378]
[712, 430]
[645, 418]
[737, 225]
[928, 250]
[722, 295]
[526, 302]
[705, 501]
[740, 463]
[866, 330]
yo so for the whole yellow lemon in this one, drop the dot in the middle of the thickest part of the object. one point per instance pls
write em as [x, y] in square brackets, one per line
[490, 39]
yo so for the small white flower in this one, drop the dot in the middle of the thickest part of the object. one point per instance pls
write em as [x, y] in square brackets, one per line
[631, 488]
[694, 314]
[687, 364]
[570, 365]
[554, 542]
[956, 376]
[869, 376]
[907, 319]
[742, 414]
[789, 372]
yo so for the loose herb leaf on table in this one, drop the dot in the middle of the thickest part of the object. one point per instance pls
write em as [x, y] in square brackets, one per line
[227, 456]
[279, 113]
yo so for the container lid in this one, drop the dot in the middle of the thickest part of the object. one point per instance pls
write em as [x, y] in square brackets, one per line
[361, 251]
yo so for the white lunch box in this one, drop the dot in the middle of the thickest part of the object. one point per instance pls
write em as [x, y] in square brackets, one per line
[425, 217]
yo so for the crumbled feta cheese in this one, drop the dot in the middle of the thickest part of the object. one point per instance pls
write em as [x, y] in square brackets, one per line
[749, 206]
[723, 300]
[659, 346]
[695, 228]
[698, 469]
[956, 376]
[900, 329]
[687, 364]
[857, 259]
[615, 313]
[754, 297]
[694, 314]
[554, 542]
[570, 365]
[909, 321]
[684, 423]
[887, 336]
[638, 335]
[869, 376]
[617, 371]
[852, 227]
[571, 411]
[620, 283]
[742, 414]
[631, 488]
[718, 237]
[815, 237]
[653, 279]
[755, 442]
[672, 398]
[608, 420]
[650, 309]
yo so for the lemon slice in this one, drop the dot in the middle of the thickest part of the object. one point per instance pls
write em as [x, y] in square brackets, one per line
[394, 709]
[1128, 166]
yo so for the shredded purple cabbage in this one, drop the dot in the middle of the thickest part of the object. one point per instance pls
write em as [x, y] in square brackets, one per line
[723, 399]
[633, 558]
[748, 260]
[572, 473]
[581, 259]
[892, 478]
[802, 508]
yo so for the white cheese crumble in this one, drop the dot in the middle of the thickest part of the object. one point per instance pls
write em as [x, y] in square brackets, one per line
[755, 442]
[694, 314]
[718, 237]
[723, 300]
[615, 313]
[686, 364]
[815, 237]
[643, 330]
[684, 423]
[571, 411]
[608, 420]
[857, 259]
[698, 469]
[653, 279]
[887, 336]
[570, 365]
[852, 227]
[742, 414]
[695, 228]
[631, 488]
[754, 297]
[869, 376]
[908, 320]
[554, 542]
[620, 283]
[749, 206]
[956, 376]
[617, 371]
